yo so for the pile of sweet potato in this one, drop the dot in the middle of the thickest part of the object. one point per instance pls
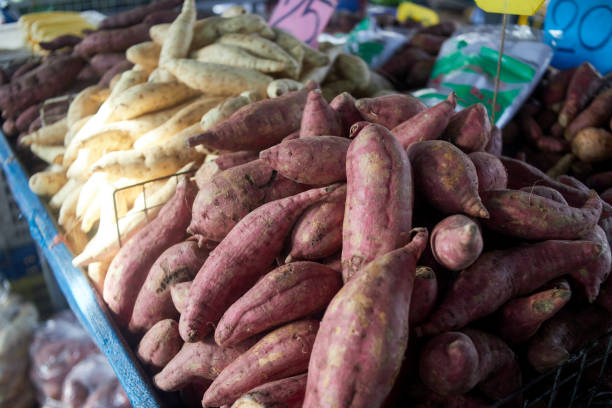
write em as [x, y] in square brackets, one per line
[338, 254]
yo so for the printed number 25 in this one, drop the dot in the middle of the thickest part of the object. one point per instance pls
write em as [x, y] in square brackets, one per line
[308, 10]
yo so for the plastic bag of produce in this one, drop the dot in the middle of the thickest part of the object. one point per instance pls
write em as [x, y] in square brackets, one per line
[90, 375]
[467, 65]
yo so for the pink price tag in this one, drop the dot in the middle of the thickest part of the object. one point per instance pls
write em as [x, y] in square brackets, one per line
[305, 19]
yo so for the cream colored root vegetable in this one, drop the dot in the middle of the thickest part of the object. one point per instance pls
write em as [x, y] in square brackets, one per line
[97, 272]
[75, 238]
[48, 182]
[68, 208]
[86, 103]
[59, 197]
[376, 86]
[234, 11]
[145, 54]
[593, 145]
[127, 80]
[182, 119]
[312, 57]
[280, 87]
[216, 79]
[318, 73]
[49, 135]
[49, 154]
[223, 111]
[353, 68]
[89, 193]
[263, 48]
[75, 129]
[236, 57]
[158, 33]
[148, 97]
[147, 70]
[178, 41]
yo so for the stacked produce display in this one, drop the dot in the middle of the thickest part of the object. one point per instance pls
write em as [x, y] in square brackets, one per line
[328, 242]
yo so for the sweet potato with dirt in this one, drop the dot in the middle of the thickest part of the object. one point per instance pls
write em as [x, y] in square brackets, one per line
[318, 232]
[160, 344]
[520, 214]
[179, 292]
[129, 268]
[557, 87]
[286, 393]
[209, 169]
[389, 110]
[498, 276]
[282, 353]
[137, 14]
[595, 115]
[344, 105]
[546, 192]
[113, 40]
[289, 292]
[314, 160]
[238, 261]
[232, 194]
[424, 295]
[203, 360]
[259, 125]
[589, 277]
[582, 87]
[379, 199]
[490, 170]
[592, 145]
[359, 369]
[319, 118]
[520, 319]
[456, 242]
[446, 177]
[565, 333]
[428, 124]
[179, 263]
[470, 128]
[453, 363]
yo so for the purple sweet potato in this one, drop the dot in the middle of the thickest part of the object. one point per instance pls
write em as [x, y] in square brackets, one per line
[520, 214]
[179, 263]
[446, 178]
[319, 118]
[291, 136]
[402, 61]
[430, 43]
[444, 29]
[424, 295]
[25, 68]
[557, 87]
[520, 319]
[379, 199]
[226, 161]
[318, 161]
[136, 15]
[115, 70]
[287, 293]
[501, 275]
[566, 332]
[105, 61]
[546, 192]
[357, 127]
[598, 181]
[160, 344]
[232, 194]
[546, 118]
[490, 170]
[470, 128]
[282, 353]
[285, 393]
[595, 115]
[9, 128]
[573, 182]
[88, 74]
[179, 292]
[584, 84]
[113, 40]
[66, 40]
[359, 369]
[456, 242]
[589, 277]
[453, 363]
[389, 110]
[318, 232]
[334, 262]
[344, 105]
[203, 360]
[128, 270]
[530, 127]
[259, 125]
[240, 259]
[428, 124]
[161, 17]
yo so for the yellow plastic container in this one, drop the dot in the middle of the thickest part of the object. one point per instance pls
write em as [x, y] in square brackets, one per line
[418, 13]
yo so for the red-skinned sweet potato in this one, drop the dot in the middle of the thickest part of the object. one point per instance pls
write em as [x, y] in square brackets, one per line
[66, 40]
[113, 40]
[136, 15]
[496, 142]
[179, 263]
[27, 117]
[402, 61]
[490, 170]
[287, 293]
[203, 360]
[446, 177]
[319, 118]
[498, 276]
[374, 307]
[524, 215]
[573, 182]
[595, 115]
[456, 242]
[259, 125]
[453, 363]
[226, 161]
[590, 276]
[25, 68]
[520, 319]
[285, 393]
[239, 260]
[358, 127]
[430, 43]
[344, 105]
[546, 192]
[282, 353]
[319, 160]
[179, 292]
[105, 61]
[389, 110]
[565, 333]
[557, 87]
[581, 88]
[470, 128]
[318, 232]
[160, 344]
[379, 199]
[600, 181]
[424, 295]
[428, 124]
[115, 70]
[128, 270]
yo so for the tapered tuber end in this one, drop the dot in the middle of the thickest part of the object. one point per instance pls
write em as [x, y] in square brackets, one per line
[477, 209]
[288, 259]
[452, 99]
[198, 139]
[425, 272]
